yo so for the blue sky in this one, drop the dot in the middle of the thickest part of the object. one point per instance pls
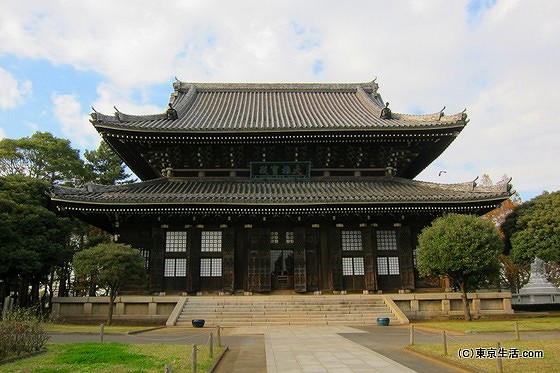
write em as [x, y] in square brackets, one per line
[498, 59]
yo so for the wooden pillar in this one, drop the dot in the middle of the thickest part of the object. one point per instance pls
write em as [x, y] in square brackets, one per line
[335, 251]
[193, 259]
[156, 261]
[406, 259]
[228, 265]
[311, 262]
[370, 276]
[300, 277]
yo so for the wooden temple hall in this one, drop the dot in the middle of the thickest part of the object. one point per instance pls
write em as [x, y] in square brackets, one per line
[268, 187]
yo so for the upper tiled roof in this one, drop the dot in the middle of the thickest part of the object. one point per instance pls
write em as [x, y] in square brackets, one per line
[326, 191]
[232, 107]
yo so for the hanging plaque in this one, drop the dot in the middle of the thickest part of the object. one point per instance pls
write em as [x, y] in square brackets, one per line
[281, 170]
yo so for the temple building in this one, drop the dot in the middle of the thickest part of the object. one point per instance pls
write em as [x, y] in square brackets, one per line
[268, 187]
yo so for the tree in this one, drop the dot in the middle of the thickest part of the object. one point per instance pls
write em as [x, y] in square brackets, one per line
[41, 156]
[105, 167]
[32, 238]
[111, 266]
[463, 247]
[533, 230]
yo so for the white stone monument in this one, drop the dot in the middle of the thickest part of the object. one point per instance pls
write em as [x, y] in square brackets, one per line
[538, 290]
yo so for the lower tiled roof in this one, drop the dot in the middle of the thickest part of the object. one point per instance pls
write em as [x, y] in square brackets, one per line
[320, 191]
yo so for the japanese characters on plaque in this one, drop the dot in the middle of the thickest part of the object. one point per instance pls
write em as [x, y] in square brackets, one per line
[280, 170]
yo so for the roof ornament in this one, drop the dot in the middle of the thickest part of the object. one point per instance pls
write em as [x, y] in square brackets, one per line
[473, 183]
[171, 113]
[177, 84]
[441, 113]
[167, 172]
[117, 113]
[509, 187]
[390, 171]
[386, 112]
[374, 87]
[94, 114]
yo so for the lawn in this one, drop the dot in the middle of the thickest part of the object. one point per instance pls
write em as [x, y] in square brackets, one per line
[511, 363]
[77, 328]
[549, 363]
[112, 357]
[485, 325]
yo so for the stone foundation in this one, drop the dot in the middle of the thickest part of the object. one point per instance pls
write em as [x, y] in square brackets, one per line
[157, 309]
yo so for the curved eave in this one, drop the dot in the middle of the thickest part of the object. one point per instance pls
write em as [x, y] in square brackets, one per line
[106, 127]
[275, 206]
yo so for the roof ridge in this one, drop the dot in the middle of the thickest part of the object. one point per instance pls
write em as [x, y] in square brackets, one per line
[370, 87]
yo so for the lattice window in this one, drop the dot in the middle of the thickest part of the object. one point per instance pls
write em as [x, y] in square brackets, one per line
[388, 265]
[352, 266]
[146, 255]
[210, 267]
[211, 241]
[351, 240]
[393, 265]
[386, 240]
[289, 237]
[274, 237]
[175, 268]
[175, 241]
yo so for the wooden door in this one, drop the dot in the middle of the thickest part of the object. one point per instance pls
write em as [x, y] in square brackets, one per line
[258, 260]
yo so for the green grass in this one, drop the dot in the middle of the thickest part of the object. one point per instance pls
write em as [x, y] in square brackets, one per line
[112, 357]
[549, 363]
[525, 324]
[77, 328]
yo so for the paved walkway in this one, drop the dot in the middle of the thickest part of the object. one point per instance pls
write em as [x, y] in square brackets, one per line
[318, 349]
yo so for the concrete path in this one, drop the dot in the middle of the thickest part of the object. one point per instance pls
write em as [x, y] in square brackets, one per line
[292, 348]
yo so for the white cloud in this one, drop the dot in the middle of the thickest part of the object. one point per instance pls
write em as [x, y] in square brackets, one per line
[2, 134]
[499, 62]
[12, 92]
[75, 125]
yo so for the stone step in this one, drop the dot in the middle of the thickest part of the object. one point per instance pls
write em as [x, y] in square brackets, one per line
[285, 310]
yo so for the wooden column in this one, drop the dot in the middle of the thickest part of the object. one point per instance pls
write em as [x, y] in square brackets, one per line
[311, 259]
[228, 259]
[300, 277]
[335, 251]
[405, 258]
[156, 261]
[370, 276]
[193, 260]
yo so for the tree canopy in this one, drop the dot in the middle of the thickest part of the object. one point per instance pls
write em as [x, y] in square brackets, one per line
[463, 247]
[41, 156]
[533, 230]
[110, 265]
[32, 237]
[104, 166]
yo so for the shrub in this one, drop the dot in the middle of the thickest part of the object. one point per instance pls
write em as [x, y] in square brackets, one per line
[21, 332]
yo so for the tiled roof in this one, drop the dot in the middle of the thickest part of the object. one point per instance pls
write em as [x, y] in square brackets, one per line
[232, 107]
[325, 191]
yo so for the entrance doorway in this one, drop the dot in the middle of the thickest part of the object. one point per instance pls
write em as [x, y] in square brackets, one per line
[282, 265]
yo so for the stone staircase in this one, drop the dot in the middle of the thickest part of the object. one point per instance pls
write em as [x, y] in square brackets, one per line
[230, 311]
